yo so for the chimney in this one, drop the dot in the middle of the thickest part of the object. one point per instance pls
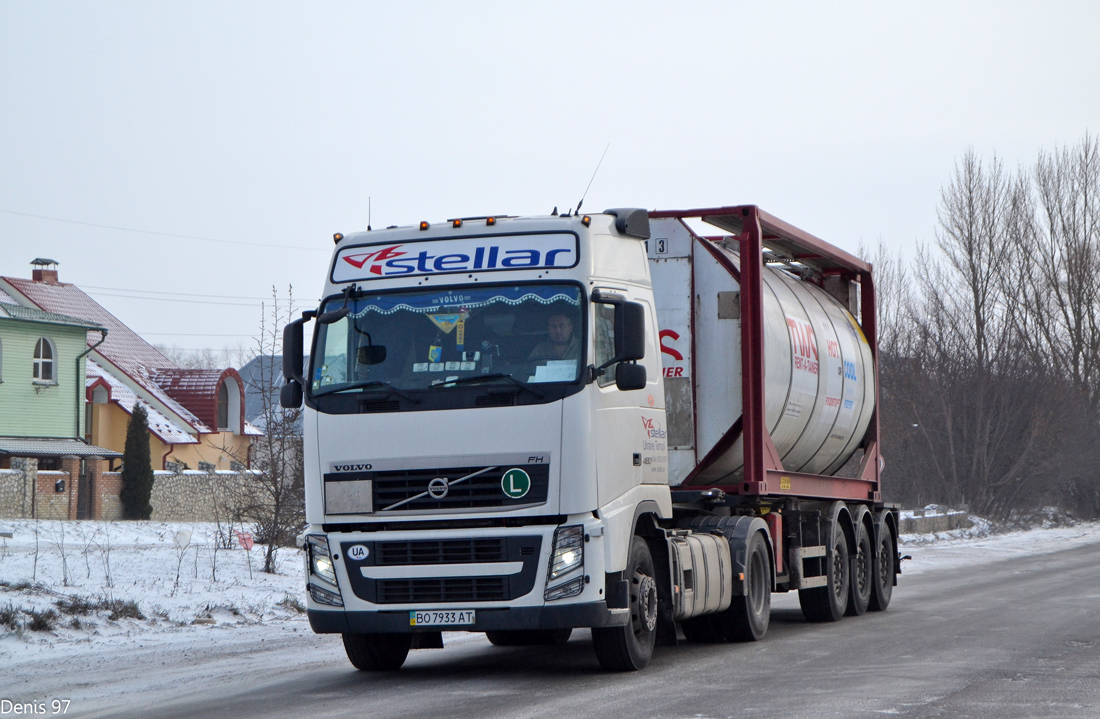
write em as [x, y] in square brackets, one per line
[45, 270]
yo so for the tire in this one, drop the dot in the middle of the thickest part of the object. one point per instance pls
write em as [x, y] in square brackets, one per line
[883, 568]
[828, 603]
[629, 648]
[862, 575]
[377, 652]
[529, 638]
[748, 616]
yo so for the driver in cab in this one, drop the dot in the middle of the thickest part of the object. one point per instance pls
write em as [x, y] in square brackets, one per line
[561, 344]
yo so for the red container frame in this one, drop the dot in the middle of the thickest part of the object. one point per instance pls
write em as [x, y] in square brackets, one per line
[764, 474]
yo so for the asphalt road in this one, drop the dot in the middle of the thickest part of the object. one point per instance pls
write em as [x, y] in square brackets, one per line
[1016, 638]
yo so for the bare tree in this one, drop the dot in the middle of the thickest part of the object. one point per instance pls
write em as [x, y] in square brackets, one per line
[990, 366]
[280, 509]
[1064, 248]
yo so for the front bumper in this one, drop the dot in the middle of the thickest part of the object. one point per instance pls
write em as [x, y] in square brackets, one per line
[589, 614]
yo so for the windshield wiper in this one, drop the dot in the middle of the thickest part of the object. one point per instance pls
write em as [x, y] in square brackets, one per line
[497, 375]
[376, 383]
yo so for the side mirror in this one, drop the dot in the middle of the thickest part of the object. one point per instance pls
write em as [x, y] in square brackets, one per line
[371, 354]
[630, 376]
[290, 396]
[630, 332]
[292, 351]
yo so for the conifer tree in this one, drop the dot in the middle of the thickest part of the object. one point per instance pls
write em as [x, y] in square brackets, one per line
[137, 468]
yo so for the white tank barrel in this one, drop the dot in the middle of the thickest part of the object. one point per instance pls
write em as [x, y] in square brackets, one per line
[819, 377]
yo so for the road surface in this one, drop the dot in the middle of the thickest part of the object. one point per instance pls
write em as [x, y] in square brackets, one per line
[1010, 638]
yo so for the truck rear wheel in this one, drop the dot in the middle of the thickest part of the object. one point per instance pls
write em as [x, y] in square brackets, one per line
[882, 570]
[629, 648]
[529, 638]
[748, 616]
[377, 652]
[828, 603]
[863, 575]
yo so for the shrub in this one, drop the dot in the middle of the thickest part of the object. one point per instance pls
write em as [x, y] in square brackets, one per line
[121, 609]
[43, 621]
[9, 617]
[76, 605]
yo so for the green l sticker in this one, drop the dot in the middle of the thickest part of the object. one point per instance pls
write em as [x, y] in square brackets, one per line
[515, 483]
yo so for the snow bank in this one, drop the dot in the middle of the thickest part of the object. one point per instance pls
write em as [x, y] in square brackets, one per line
[71, 584]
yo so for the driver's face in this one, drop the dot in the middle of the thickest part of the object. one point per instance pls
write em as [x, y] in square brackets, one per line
[561, 329]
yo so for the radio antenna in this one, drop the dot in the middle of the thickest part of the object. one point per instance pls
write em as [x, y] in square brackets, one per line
[368, 213]
[593, 178]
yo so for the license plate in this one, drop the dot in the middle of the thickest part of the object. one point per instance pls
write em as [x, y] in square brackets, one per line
[434, 618]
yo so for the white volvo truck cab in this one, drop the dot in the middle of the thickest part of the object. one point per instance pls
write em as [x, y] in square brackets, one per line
[484, 435]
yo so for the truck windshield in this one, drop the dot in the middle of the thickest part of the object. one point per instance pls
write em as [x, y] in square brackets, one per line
[438, 341]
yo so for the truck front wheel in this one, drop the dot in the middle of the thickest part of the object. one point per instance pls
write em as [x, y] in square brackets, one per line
[629, 648]
[377, 652]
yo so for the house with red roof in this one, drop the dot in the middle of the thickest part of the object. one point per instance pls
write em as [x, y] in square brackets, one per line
[196, 416]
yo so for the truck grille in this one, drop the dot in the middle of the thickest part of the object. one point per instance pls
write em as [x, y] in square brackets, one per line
[441, 553]
[454, 589]
[448, 551]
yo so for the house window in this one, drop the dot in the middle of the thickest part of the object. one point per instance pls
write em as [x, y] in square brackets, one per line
[44, 358]
[223, 407]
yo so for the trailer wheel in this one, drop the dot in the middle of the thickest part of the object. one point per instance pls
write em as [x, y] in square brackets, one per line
[529, 638]
[863, 575]
[828, 603]
[883, 569]
[629, 648]
[377, 652]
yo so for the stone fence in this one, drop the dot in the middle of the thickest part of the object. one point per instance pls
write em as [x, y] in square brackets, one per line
[179, 496]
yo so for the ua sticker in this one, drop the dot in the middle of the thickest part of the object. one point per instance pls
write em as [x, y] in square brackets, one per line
[516, 483]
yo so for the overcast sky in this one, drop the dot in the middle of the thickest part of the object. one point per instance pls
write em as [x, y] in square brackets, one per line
[267, 126]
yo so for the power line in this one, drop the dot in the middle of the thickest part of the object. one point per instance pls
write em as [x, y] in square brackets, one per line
[180, 294]
[171, 299]
[194, 334]
[188, 302]
[162, 234]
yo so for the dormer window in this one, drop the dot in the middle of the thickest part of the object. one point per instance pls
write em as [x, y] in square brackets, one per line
[44, 357]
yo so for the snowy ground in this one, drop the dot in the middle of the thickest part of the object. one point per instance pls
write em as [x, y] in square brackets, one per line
[115, 583]
[90, 577]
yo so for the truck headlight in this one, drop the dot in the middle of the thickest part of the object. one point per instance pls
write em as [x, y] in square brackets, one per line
[568, 551]
[320, 561]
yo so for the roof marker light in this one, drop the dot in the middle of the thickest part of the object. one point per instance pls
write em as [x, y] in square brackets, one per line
[337, 237]
[586, 220]
[456, 223]
[424, 225]
[490, 220]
